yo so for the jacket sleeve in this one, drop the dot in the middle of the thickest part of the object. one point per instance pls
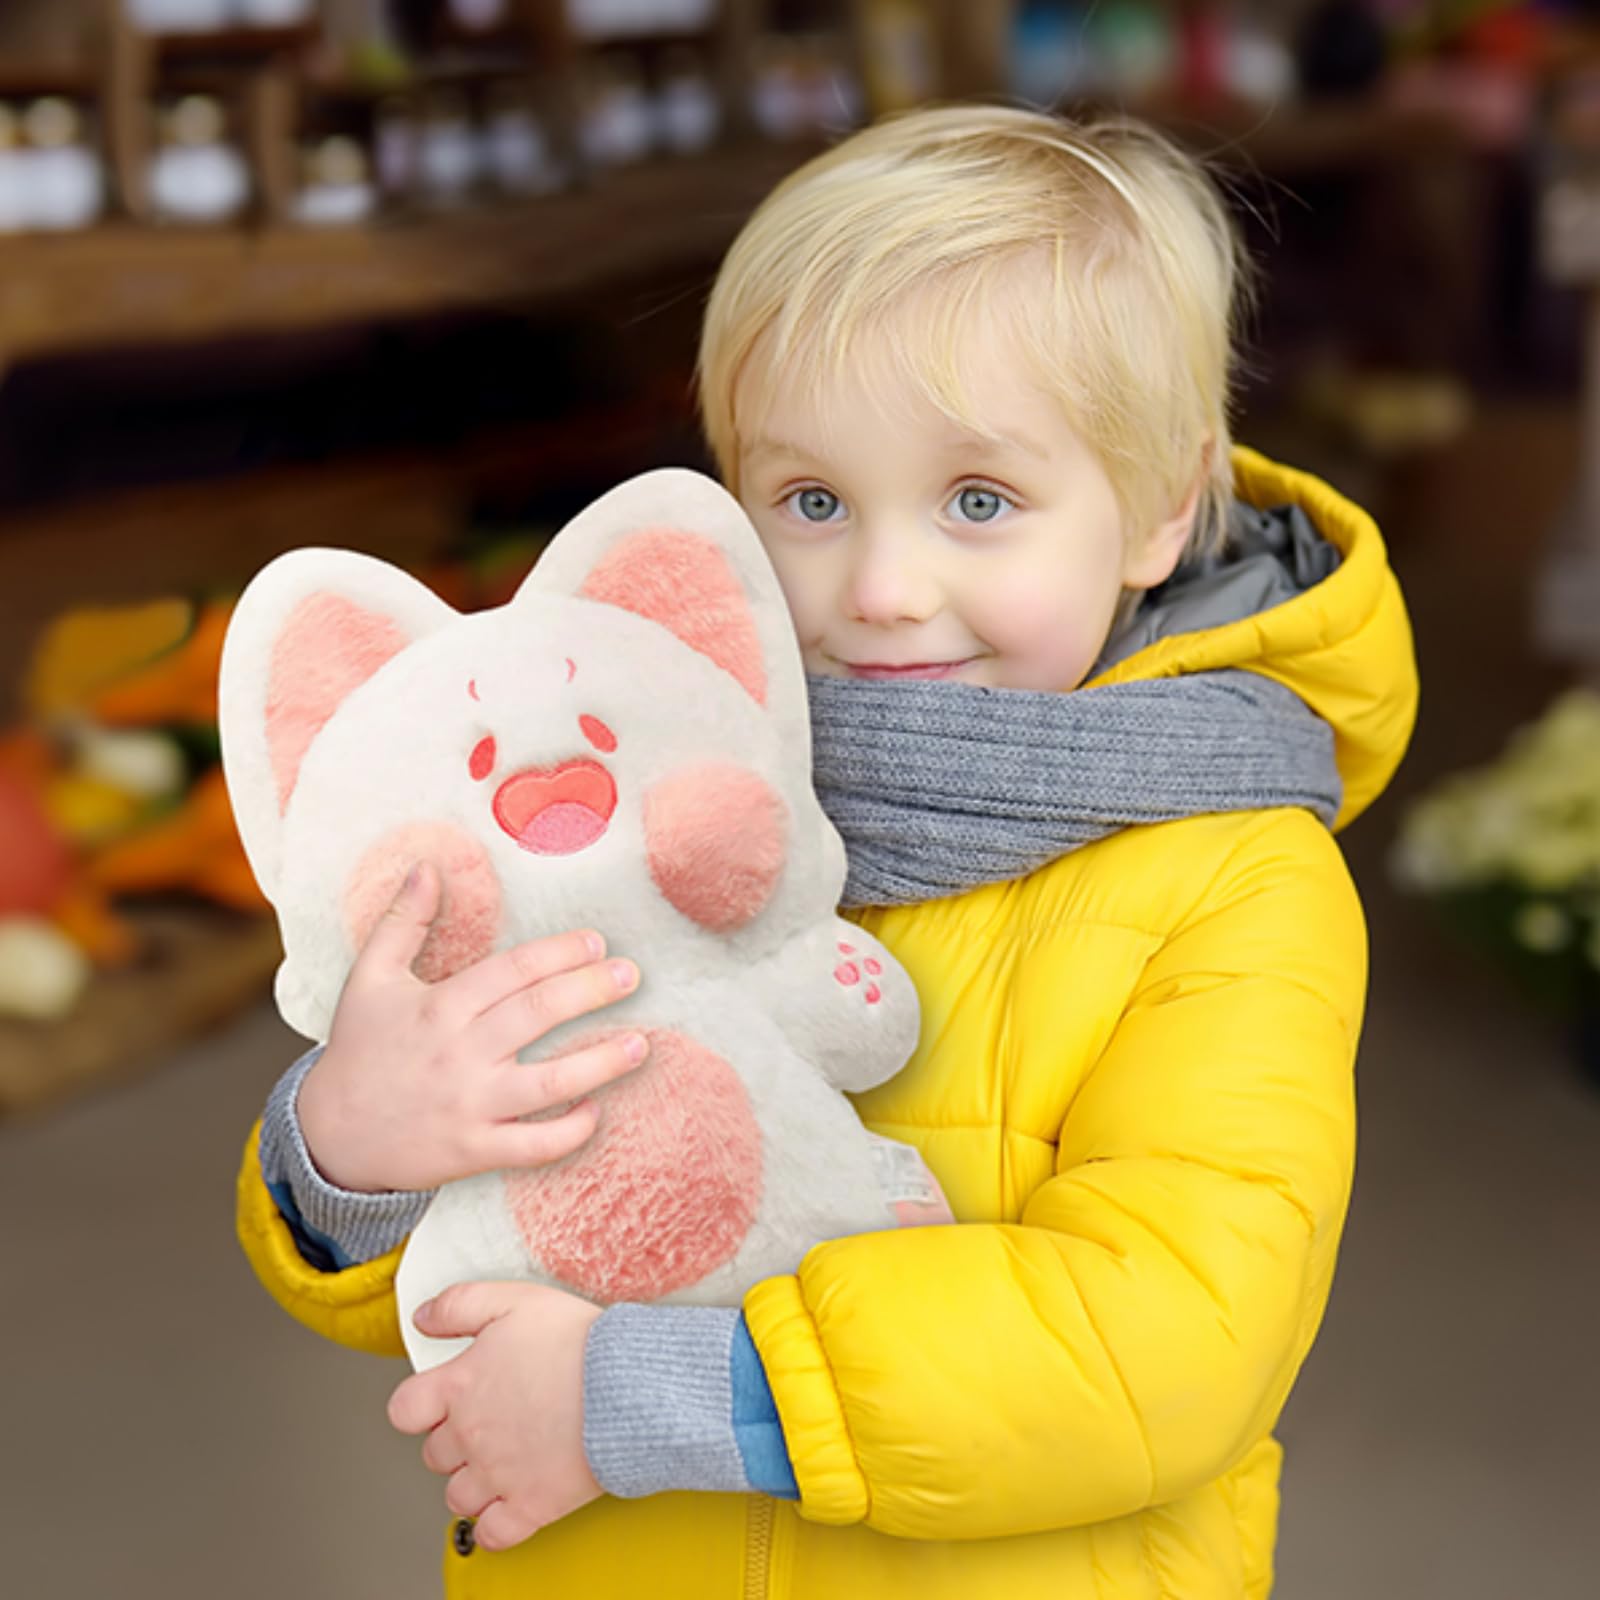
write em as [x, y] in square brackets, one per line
[354, 1306]
[1139, 1328]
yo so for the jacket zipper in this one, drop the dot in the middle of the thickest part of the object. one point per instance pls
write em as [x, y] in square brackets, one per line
[757, 1547]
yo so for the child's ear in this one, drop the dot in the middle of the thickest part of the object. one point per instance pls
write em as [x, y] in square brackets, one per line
[1159, 552]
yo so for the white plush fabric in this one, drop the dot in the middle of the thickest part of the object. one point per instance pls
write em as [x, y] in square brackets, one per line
[365, 722]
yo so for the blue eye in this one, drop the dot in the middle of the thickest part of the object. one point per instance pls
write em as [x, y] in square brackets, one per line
[816, 505]
[975, 504]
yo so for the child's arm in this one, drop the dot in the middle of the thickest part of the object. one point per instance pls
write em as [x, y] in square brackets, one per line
[1139, 1329]
[419, 1084]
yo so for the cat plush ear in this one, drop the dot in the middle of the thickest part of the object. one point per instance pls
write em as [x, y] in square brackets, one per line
[676, 548]
[310, 628]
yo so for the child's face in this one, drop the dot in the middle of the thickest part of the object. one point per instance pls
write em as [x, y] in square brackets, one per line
[908, 546]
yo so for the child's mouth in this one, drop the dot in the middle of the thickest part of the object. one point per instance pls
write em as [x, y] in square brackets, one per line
[926, 669]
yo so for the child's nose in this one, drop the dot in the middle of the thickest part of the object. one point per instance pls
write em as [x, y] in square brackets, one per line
[891, 581]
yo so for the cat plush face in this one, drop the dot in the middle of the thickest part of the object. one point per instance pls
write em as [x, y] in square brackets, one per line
[624, 745]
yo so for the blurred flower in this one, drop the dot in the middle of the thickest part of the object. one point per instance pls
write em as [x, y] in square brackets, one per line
[1541, 925]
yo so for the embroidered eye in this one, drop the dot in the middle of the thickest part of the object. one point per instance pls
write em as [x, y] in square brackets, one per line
[481, 762]
[598, 734]
[978, 504]
[815, 504]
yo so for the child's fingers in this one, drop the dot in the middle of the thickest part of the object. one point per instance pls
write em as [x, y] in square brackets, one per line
[537, 1144]
[501, 1525]
[499, 977]
[524, 1091]
[467, 1494]
[418, 1405]
[531, 1012]
[401, 931]
[443, 1451]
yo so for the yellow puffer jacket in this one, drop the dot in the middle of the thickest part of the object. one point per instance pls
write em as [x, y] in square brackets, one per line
[1135, 1083]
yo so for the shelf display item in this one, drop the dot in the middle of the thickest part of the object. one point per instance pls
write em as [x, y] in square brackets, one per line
[273, 13]
[65, 176]
[480, 15]
[626, 746]
[619, 121]
[42, 972]
[396, 139]
[197, 175]
[180, 16]
[337, 189]
[616, 19]
[449, 155]
[688, 112]
[516, 150]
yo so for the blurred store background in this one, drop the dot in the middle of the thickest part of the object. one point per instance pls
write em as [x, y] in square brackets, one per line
[421, 277]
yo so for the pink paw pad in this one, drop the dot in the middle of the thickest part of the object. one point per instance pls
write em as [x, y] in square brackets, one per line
[874, 994]
[665, 1191]
[873, 967]
[847, 973]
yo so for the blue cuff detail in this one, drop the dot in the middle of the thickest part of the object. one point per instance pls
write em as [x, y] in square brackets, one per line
[756, 1428]
[317, 1248]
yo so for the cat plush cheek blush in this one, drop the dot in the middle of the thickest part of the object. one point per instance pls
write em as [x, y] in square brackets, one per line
[624, 745]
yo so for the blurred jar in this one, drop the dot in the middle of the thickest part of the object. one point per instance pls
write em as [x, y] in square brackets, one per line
[197, 175]
[336, 184]
[479, 15]
[180, 16]
[396, 138]
[687, 107]
[618, 124]
[600, 19]
[777, 92]
[65, 179]
[516, 152]
[13, 173]
[449, 159]
[273, 13]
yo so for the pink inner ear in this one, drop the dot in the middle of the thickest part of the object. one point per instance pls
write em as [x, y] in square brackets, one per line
[684, 582]
[328, 647]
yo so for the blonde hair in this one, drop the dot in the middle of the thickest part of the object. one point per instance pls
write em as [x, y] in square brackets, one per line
[938, 209]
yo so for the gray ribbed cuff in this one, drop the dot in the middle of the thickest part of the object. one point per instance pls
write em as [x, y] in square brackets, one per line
[361, 1226]
[658, 1400]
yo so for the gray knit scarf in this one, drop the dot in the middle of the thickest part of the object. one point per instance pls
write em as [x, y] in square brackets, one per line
[939, 787]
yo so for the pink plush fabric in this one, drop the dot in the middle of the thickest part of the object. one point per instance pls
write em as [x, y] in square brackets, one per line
[684, 582]
[717, 838]
[666, 1190]
[328, 646]
[469, 918]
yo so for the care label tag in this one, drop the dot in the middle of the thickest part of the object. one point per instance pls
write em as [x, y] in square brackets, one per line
[903, 1174]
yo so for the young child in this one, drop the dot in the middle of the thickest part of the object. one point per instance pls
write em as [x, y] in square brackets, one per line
[968, 375]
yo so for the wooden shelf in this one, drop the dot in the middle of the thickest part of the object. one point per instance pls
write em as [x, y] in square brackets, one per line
[200, 967]
[233, 44]
[130, 285]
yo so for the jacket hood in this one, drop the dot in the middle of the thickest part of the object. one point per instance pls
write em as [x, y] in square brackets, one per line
[1303, 594]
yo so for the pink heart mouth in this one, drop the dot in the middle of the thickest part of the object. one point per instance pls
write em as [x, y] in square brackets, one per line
[559, 810]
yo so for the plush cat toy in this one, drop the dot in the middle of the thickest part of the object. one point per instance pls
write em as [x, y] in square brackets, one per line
[624, 745]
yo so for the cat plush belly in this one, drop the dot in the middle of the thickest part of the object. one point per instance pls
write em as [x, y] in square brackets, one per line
[699, 1181]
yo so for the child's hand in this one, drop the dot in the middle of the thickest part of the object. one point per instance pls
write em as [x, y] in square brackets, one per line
[420, 1084]
[504, 1418]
